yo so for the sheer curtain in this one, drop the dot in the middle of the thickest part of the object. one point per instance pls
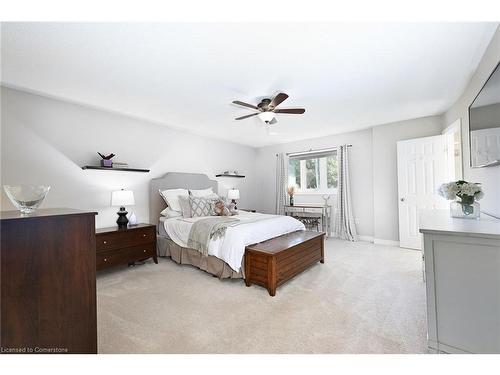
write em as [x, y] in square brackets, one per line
[281, 183]
[344, 220]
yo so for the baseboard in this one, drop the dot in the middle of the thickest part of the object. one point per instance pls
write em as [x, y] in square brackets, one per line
[359, 237]
[379, 241]
[365, 238]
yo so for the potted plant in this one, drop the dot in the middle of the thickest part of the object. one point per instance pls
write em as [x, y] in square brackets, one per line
[291, 192]
[463, 195]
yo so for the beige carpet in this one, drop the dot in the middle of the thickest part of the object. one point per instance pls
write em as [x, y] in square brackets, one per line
[365, 299]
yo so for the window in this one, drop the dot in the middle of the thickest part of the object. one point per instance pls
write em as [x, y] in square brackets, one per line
[314, 172]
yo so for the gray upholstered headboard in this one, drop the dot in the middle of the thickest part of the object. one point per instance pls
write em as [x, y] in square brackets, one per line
[174, 180]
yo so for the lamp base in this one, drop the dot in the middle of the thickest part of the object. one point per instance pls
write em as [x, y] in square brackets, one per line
[233, 201]
[122, 220]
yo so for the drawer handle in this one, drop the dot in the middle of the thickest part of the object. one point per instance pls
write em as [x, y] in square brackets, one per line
[104, 242]
[143, 235]
[144, 250]
[105, 259]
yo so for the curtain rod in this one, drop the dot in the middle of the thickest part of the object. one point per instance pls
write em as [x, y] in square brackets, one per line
[313, 150]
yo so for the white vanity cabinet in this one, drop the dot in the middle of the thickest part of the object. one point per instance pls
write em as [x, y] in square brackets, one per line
[462, 269]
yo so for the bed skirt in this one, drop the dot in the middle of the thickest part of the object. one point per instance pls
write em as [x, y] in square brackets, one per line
[183, 255]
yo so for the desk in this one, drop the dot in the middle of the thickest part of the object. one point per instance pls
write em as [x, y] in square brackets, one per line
[314, 216]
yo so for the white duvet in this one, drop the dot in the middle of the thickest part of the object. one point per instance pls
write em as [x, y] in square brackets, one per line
[231, 247]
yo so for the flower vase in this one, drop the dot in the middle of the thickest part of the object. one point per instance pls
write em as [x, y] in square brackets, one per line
[291, 200]
[465, 208]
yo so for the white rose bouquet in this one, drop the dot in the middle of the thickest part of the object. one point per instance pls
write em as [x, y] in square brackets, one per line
[468, 192]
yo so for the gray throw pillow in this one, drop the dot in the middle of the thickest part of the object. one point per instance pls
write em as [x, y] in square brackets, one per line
[200, 206]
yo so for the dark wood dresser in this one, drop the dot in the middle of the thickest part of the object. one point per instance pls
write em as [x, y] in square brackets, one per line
[116, 246]
[48, 282]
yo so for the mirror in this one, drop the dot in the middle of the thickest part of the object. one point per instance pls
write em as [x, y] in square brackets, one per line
[484, 124]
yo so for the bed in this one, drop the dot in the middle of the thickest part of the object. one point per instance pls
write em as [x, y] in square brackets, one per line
[225, 258]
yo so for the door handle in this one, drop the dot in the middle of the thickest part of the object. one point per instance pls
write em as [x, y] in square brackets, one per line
[402, 199]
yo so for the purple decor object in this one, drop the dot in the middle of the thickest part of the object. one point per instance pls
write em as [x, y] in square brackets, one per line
[106, 160]
[107, 163]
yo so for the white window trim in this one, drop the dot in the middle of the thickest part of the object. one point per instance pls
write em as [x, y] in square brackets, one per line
[322, 190]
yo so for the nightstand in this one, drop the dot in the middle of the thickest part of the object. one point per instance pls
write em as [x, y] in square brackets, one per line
[125, 246]
[247, 209]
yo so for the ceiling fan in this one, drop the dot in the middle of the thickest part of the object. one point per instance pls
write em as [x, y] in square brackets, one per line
[267, 109]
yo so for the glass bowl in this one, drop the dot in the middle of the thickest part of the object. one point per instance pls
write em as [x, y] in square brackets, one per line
[26, 198]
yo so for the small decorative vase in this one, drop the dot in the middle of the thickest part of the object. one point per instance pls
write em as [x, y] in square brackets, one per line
[132, 220]
[465, 208]
[291, 200]
[107, 163]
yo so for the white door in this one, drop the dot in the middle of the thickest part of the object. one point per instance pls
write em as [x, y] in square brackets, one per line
[421, 169]
[453, 148]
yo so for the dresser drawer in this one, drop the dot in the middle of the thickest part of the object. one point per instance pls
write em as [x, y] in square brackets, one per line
[127, 238]
[141, 252]
[105, 260]
[124, 256]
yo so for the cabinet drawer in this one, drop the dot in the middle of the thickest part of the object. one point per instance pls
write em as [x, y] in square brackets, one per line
[141, 252]
[118, 240]
[124, 256]
[105, 260]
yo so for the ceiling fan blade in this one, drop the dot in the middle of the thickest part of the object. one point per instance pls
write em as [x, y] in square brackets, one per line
[280, 98]
[296, 111]
[247, 116]
[245, 104]
[273, 121]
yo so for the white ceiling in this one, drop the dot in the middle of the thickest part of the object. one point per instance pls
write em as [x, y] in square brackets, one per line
[348, 76]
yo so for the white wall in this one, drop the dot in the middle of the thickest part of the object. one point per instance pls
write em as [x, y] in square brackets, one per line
[46, 141]
[361, 174]
[373, 162]
[489, 177]
[385, 183]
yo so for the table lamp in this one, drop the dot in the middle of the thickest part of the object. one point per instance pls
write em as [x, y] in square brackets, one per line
[122, 198]
[233, 194]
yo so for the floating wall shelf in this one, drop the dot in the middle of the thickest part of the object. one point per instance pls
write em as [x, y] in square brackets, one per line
[115, 169]
[230, 175]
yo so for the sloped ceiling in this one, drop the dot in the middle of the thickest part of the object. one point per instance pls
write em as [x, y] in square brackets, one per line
[348, 76]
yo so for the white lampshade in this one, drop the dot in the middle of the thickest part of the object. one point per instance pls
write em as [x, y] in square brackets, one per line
[122, 198]
[266, 116]
[233, 194]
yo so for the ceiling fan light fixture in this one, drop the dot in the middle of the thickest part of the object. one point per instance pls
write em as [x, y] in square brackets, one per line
[266, 117]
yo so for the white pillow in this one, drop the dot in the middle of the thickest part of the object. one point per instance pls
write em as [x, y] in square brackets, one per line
[201, 193]
[169, 213]
[171, 197]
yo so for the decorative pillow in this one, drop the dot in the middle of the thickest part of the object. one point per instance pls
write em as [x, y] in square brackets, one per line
[201, 193]
[169, 213]
[171, 197]
[200, 206]
[213, 196]
[185, 206]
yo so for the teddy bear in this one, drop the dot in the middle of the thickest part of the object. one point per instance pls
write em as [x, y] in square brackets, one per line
[220, 209]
